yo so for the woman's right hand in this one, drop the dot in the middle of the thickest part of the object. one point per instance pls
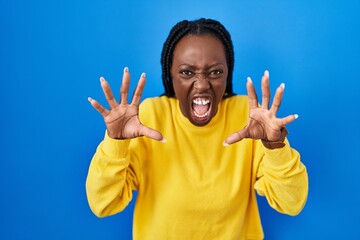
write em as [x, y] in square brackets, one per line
[122, 120]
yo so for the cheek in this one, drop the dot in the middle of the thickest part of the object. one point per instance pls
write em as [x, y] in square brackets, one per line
[220, 87]
[180, 89]
[176, 86]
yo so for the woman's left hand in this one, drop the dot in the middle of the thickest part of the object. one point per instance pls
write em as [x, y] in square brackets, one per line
[263, 123]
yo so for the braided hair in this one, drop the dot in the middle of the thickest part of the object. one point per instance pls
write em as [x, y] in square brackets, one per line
[198, 27]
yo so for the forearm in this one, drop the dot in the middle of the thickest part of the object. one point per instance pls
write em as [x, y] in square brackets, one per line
[283, 179]
[109, 183]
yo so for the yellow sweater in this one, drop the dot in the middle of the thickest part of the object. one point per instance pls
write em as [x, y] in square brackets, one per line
[192, 187]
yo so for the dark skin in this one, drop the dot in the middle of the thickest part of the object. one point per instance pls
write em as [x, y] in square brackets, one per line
[199, 72]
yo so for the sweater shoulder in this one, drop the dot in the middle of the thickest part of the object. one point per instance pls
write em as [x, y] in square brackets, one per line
[155, 108]
[237, 100]
[155, 104]
[236, 104]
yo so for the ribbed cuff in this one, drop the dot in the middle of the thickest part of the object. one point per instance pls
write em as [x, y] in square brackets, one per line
[114, 147]
[280, 158]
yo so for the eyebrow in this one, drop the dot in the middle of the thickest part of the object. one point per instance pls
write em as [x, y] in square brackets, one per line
[192, 66]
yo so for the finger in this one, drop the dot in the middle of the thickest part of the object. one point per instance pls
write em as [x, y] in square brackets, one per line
[286, 120]
[103, 111]
[265, 90]
[124, 90]
[151, 133]
[138, 91]
[108, 93]
[253, 100]
[277, 99]
[236, 137]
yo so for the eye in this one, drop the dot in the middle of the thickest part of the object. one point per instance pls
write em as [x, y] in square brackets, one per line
[186, 72]
[215, 74]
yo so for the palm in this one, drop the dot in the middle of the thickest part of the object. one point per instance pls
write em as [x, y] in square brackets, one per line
[262, 125]
[123, 122]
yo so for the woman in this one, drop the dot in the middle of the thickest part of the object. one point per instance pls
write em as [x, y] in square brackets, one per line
[220, 148]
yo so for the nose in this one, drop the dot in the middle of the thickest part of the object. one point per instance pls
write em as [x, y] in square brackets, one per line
[201, 82]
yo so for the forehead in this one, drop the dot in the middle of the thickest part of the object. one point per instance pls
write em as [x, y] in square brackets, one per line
[195, 48]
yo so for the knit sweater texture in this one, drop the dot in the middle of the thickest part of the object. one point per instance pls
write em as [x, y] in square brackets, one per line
[193, 187]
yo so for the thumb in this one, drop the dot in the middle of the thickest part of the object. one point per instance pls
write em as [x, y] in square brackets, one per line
[236, 137]
[151, 133]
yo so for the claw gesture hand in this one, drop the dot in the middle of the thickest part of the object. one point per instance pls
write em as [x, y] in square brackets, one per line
[122, 119]
[263, 123]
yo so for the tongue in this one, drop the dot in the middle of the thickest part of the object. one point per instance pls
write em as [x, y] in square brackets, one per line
[201, 109]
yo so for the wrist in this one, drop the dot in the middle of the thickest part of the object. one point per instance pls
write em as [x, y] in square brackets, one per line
[276, 144]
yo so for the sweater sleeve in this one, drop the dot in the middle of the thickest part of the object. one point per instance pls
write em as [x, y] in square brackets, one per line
[111, 177]
[282, 178]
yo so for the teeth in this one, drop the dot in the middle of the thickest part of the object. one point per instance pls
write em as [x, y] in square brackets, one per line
[199, 101]
[201, 116]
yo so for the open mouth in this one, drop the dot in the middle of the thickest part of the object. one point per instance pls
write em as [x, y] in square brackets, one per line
[201, 108]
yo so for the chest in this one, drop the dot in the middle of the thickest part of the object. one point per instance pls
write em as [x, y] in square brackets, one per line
[201, 177]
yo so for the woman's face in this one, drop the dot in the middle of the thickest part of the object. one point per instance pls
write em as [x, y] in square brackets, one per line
[199, 72]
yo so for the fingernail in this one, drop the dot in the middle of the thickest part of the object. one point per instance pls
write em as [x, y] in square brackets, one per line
[90, 99]
[282, 86]
[249, 80]
[163, 140]
[126, 69]
[296, 116]
[267, 73]
[143, 75]
[102, 79]
[225, 144]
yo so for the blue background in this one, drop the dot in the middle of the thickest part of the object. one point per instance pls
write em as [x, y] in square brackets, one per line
[52, 54]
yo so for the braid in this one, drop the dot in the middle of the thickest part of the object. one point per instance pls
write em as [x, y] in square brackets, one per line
[178, 31]
[198, 27]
